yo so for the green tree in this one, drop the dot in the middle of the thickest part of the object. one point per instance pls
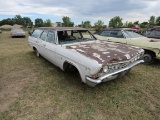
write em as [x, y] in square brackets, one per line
[99, 25]
[144, 24]
[38, 22]
[152, 21]
[27, 22]
[136, 23]
[59, 24]
[86, 24]
[115, 22]
[158, 21]
[18, 20]
[129, 24]
[8, 21]
[67, 22]
[47, 23]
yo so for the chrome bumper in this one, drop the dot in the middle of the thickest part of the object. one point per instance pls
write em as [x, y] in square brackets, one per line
[93, 82]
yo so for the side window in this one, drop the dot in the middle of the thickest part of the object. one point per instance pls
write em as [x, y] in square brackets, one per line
[44, 35]
[36, 33]
[50, 37]
[157, 33]
[76, 35]
[113, 33]
[105, 33]
[120, 34]
[152, 33]
[117, 34]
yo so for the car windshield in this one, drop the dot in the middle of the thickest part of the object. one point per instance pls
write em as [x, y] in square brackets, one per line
[73, 36]
[131, 34]
[17, 29]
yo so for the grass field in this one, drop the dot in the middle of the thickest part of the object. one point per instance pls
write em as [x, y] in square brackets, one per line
[33, 88]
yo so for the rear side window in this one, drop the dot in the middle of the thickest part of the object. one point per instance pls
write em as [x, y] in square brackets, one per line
[50, 37]
[44, 35]
[36, 33]
[116, 33]
[152, 33]
[157, 33]
[105, 33]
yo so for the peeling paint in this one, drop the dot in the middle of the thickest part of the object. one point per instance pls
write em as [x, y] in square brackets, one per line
[106, 52]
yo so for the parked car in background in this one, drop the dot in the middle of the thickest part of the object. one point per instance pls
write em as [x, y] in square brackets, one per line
[153, 34]
[17, 32]
[74, 48]
[125, 36]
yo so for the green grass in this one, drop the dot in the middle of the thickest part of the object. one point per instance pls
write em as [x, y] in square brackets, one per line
[33, 88]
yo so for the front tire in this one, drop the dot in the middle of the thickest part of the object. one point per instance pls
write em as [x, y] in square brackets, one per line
[148, 58]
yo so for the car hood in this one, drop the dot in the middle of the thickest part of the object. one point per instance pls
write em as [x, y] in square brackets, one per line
[106, 52]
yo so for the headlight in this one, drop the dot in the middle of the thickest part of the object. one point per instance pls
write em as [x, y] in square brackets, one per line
[105, 69]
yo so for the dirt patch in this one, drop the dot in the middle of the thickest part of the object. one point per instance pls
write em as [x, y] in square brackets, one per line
[12, 85]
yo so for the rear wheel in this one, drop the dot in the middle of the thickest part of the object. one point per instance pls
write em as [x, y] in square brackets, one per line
[148, 58]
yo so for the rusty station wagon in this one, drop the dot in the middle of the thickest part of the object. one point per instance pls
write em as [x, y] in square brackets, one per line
[74, 48]
[127, 36]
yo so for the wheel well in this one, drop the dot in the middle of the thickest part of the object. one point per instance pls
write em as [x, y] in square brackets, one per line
[34, 48]
[68, 67]
[150, 52]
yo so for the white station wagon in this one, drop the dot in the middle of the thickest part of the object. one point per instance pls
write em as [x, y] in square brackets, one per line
[74, 48]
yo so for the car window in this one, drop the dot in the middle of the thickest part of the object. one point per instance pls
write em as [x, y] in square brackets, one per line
[116, 33]
[152, 33]
[76, 35]
[36, 33]
[44, 35]
[157, 33]
[105, 33]
[131, 34]
[73, 36]
[50, 37]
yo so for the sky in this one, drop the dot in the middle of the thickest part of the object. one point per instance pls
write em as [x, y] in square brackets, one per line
[81, 10]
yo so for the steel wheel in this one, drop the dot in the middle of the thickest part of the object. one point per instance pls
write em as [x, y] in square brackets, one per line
[148, 58]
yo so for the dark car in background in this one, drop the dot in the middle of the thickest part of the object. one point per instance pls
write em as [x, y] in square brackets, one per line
[153, 34]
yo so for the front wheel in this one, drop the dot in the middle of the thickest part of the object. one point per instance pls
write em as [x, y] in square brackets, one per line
[148, 58]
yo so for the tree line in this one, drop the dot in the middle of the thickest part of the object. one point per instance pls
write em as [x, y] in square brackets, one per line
[114, 22]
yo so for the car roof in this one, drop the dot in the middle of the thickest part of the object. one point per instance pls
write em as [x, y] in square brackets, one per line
[61, 28]
[120, 29]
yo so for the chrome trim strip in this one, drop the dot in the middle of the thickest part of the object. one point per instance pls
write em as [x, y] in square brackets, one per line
[100, 79]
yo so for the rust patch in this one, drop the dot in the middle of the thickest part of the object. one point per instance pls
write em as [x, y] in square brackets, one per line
[106, 52]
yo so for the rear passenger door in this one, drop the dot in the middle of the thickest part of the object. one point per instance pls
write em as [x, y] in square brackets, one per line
[42, 42]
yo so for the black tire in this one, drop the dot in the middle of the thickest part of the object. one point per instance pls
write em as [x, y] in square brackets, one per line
[148, 58]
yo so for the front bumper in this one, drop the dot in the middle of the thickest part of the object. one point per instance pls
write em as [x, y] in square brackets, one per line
[93, 82]
[16, 35]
